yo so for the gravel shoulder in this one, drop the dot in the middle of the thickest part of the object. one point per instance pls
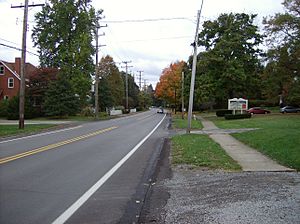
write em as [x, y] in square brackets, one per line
[186, 195]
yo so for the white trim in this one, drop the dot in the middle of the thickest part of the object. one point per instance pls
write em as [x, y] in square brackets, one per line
[3, 70]
[13, 72]
[13, 83]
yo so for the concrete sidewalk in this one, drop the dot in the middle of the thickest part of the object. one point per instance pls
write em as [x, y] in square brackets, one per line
[248, 158]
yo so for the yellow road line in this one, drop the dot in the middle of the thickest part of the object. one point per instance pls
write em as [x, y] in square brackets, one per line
[53, 146]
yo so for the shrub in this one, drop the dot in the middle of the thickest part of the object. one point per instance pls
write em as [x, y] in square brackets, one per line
[87, 112]
[222, 113]
[237, 116]
[3, 108]
[13, 109]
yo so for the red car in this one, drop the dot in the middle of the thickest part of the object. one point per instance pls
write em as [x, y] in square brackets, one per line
[258, 110]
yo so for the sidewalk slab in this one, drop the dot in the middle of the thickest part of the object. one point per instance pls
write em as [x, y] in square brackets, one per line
[248, 158]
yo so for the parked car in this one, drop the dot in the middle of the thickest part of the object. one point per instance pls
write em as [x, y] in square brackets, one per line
[289, 109]
[258, 110]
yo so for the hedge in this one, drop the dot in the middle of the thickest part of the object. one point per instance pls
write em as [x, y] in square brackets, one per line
[222, 113]
[237, 116]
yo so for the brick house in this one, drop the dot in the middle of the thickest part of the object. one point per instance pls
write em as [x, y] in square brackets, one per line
[10, 77]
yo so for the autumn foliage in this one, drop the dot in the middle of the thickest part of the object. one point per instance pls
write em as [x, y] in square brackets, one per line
[169, 85]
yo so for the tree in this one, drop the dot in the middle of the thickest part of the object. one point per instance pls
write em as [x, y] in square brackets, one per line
[110, 73]
[282, 73]
[64, 33]
[37, 86]
[60, 99]
[133, 91]
[105, 95]
[169, 85]
[230, 66]
[145, 100]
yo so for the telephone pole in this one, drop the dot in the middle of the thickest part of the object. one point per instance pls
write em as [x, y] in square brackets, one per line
[191, 99]
[140, 79]
[23, 63]
[182, 95]
[126, 80]
[145, 85]
[97, 69]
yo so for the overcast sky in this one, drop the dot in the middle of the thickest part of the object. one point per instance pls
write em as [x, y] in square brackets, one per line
[149, 33]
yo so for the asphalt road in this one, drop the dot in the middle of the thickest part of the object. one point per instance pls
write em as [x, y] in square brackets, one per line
[97, 172]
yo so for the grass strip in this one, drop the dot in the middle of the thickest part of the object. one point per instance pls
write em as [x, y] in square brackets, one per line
[7, 130]
[278, 136]
[180, 123]
[200, 151]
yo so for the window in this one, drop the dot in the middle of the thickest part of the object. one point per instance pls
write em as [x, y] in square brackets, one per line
[1, 70]
[5, 97]
[10, 82]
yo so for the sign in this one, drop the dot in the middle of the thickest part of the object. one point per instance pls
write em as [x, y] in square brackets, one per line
[237, 104]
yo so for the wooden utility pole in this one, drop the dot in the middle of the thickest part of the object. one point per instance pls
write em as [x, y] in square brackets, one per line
[23, 63]
[97, 71]
[140, 79]
[191, 99]
[126, 81]
[182, 95]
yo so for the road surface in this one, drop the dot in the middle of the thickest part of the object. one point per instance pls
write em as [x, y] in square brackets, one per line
[97, 172]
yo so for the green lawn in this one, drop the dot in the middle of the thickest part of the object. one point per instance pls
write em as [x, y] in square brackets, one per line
[6, 130]
[180, 123]
[278, 136]
[200, 150]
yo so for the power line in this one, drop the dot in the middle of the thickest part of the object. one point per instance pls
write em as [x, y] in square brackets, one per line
[18, 49]
[147, 20]
[156, 39]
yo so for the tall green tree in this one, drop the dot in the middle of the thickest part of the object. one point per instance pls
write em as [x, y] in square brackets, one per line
[61, 99]
[133, 91]
[111, 76]
[230, 65]
[282, 73]
[63, 34]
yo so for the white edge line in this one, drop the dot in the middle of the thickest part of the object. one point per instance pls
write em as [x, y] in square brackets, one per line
[77, 204]
[41, 134]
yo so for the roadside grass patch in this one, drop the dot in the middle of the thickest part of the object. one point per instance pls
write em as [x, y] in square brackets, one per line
[180, 123]
[278, 136]
[200, 151]
[6, 130]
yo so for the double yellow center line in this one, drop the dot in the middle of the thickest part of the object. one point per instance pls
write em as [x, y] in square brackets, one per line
[53, 146]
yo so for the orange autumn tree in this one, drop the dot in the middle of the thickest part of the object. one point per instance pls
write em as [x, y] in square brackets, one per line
[169, 86]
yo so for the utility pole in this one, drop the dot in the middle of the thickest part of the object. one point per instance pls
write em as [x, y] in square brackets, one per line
[126, 80]
[145, 85]
[140, 79]
[182, 95]
[191, 99]
[97, 69]
[23, 63]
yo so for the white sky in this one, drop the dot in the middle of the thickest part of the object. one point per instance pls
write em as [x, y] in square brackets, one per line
[151, 46]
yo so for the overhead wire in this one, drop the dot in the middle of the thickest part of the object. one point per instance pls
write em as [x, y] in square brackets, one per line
[147, 20]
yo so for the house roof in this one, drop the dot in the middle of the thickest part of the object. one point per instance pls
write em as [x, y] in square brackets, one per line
[6, 64]
[11, 66]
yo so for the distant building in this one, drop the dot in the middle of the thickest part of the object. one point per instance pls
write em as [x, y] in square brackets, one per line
[10, 77]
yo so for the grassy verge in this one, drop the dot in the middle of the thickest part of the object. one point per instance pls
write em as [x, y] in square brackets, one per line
[200, 150]
[278, 136]
[6, 130]
[180, 123]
